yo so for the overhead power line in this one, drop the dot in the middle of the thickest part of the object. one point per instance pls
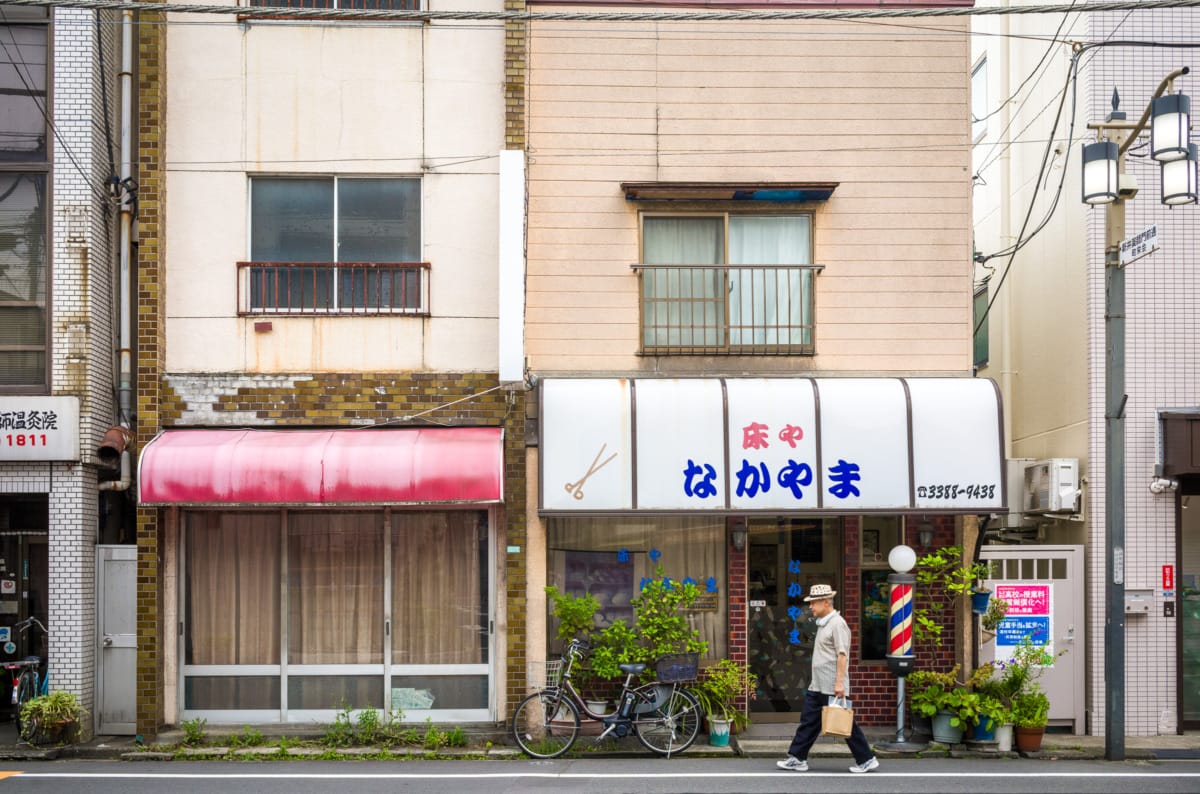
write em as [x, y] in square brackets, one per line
[740, 15]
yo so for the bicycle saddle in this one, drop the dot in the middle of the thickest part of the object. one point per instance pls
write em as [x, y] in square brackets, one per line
[632, 669]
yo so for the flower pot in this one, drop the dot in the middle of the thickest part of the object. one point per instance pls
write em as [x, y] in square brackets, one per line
[718, 732]
[979, 601]
[921, 725]
[1004, 738]
[984, 730]
[1029, 740]
[943, 731]
[599, 707]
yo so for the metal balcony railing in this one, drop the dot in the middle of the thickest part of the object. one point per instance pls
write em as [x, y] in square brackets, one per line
[333, 288]
[727, 310]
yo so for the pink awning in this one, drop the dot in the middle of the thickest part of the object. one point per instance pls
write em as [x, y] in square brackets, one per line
[323, 467]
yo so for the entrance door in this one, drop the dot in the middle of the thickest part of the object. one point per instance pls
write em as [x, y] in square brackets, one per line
[1044, 585]
[116, 671]
[1188, 588]
[785, 558]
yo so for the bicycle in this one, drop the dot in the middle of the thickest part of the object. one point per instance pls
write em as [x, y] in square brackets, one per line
[663, 715]
[24, 674]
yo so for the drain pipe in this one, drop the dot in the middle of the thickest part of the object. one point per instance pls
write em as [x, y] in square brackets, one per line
[119, 439]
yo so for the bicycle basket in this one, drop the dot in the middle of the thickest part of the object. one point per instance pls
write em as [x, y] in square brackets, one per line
[676, 667]
[545, 674]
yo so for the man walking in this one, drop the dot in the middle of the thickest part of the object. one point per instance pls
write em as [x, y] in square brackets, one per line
[830, 661]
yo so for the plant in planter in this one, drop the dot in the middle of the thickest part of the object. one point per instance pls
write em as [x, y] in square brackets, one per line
[925, 690]
[997, 610]
[1030, 712]
[52, 719]
[718, 691]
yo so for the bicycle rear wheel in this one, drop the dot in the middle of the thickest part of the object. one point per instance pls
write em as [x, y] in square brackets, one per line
[671, 720]
[546, 724]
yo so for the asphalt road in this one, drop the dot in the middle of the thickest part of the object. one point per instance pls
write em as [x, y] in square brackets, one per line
[645, 776]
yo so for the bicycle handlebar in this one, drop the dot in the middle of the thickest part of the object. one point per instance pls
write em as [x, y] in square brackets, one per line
[29, 621]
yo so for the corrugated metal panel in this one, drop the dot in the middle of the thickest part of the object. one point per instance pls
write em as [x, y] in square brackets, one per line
[323, 467]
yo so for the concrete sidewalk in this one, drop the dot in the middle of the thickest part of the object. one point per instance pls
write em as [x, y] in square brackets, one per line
[772, 740]
[760, 741]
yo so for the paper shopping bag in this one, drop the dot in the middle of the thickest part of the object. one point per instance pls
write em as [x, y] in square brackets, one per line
[837, 718]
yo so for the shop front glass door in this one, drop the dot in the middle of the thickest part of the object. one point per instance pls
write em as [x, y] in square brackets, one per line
[786, 557]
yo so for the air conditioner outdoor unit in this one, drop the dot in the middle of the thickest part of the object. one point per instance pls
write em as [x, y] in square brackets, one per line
[1052, 486]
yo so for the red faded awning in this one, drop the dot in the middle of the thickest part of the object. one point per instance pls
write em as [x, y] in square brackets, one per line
[323, 467]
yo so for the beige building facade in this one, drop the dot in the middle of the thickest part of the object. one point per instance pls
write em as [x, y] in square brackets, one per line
[729, 224]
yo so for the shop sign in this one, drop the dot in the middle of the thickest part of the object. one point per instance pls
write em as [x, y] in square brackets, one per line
[780, 444]
[39, 428]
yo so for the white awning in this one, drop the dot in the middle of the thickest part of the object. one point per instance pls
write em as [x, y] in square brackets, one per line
[775, 445]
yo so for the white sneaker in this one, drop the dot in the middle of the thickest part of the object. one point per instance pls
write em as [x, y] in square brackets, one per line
[865, 766]
[794, 764]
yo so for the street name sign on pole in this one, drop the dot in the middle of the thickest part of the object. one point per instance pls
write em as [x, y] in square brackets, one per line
[1142, 244]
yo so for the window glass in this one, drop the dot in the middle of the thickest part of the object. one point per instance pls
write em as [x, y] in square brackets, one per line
[609, 557]
[292, 220]
[228, 693]
[22, 92]
[439, 587]
[880, 534]
[979, 99]
[767, 306]
[379, 220]
[335, 588]
[22, 279]
[980, 323]
[232, 590]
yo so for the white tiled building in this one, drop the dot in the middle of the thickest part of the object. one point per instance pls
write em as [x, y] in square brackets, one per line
[1047, 334]
[58, 346]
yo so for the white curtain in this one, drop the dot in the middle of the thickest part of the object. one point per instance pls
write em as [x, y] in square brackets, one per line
[683, 306]
[770, 306]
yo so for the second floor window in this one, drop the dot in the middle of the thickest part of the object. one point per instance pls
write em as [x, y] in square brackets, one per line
[729, 284]
[335, 245]
[24, 205]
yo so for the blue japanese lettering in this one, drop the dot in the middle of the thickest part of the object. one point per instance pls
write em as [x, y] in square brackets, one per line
[710, 584]
[623, 555]
[793, 475]
[750, 481]
[705, 487]
[843, 476]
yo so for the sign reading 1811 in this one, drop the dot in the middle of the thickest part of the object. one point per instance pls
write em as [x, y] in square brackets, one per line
[39, 428]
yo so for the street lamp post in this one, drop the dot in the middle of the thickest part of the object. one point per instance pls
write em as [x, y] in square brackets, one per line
[1105, 182]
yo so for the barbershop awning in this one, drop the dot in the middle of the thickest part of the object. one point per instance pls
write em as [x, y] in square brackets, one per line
[774, 445]
[409, 466]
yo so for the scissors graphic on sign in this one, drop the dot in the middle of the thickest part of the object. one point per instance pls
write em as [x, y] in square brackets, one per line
[576, 488]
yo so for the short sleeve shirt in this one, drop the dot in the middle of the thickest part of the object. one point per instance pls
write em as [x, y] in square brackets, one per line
[832, 638]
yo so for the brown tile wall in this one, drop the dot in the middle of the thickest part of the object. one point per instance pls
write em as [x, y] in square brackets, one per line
[150, 175]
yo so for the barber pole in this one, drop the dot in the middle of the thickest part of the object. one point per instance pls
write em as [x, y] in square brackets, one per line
[900, 637]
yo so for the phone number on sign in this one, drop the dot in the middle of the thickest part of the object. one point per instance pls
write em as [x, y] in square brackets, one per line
[25, 440]
[955, 491]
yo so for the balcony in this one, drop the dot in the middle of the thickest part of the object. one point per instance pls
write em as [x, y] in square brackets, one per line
[329, 288]
[726, 310]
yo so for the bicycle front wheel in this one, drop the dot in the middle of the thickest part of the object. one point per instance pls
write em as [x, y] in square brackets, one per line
[26, 690]
[671, 718]
[546, 724]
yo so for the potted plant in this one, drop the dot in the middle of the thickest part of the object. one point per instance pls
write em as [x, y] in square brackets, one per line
[926, 689]
[718, 691]
[998, 693]
[997, 610]
[1030, 712]
[944, 573]
[52, 719]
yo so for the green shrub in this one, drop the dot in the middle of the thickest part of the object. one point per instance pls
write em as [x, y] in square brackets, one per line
[341, 732]
[195, 732]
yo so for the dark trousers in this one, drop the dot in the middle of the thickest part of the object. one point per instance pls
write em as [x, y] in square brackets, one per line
[810, 728]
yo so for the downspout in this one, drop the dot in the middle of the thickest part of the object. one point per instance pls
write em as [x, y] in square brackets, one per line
[118, 440]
